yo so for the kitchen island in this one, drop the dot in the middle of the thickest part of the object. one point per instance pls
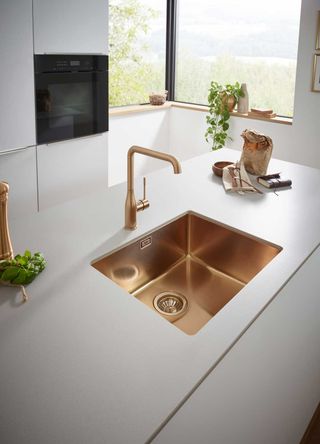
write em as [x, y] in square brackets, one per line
[85, 362]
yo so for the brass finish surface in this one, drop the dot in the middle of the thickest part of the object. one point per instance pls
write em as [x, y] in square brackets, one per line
[200, 260]
[315, 77]
[6, 251]
[131, 206]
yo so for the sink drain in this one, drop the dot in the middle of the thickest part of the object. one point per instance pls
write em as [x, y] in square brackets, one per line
[170, 303]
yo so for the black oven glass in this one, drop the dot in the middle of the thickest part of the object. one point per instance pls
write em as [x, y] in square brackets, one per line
[71, 96]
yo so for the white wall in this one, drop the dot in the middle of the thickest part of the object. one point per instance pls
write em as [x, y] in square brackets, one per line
[296, 143]
[147, 129]
[187, 129]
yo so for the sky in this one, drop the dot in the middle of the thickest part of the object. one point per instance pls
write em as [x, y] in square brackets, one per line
[251, 8]
[232, 17]
[233, 24]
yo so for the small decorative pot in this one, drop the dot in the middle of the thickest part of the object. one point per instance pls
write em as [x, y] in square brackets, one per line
[158, 98]
[229, 102]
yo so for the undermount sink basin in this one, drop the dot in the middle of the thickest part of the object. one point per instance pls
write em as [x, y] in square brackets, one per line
[188, 269]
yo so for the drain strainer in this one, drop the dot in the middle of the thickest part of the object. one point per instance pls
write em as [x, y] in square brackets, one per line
[170, 303]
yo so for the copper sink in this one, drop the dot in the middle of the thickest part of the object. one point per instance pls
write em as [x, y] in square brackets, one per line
[188, 269]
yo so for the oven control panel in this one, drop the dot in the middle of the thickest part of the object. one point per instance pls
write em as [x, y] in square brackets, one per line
[46, 63]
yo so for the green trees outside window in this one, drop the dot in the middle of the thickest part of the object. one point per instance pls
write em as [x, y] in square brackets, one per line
[248, 42]
[137, 50]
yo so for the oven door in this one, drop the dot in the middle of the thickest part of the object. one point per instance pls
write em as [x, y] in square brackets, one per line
[70, 105]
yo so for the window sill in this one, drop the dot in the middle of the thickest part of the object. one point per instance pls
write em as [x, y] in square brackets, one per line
[133, 109]
[203, 108]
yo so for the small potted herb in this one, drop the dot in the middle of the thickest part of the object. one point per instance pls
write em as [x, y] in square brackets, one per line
[221, 100]
[21, 270]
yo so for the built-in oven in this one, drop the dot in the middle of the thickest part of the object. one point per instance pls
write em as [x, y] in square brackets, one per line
[71, 96]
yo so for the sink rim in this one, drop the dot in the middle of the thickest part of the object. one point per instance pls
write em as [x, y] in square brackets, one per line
[185, 213]
[189, 236]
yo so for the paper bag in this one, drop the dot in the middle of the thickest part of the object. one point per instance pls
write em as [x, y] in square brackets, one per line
[257, 150]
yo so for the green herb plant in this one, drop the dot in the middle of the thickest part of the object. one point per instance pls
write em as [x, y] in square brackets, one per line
[219, 114]
[21, 270]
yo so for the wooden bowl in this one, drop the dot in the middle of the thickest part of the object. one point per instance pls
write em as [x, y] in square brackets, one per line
[218, 167]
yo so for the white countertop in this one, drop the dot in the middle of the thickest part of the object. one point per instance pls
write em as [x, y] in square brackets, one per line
[83, 361]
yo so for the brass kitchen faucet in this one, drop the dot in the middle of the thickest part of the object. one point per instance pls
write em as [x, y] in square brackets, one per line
[131, 206]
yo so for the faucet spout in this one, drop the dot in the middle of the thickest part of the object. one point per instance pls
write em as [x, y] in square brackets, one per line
[131, 207]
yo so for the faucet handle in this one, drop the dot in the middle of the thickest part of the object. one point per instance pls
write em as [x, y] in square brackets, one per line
[143, 203]
[144, 188]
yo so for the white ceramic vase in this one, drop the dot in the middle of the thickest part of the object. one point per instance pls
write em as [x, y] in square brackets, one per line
[243, 102]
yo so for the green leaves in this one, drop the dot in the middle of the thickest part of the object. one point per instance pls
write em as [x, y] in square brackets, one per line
[23, 269]
[219, 113]
[10, 273]
[132, 73]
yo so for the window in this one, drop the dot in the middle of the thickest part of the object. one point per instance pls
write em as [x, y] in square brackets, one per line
[252, 42]
[137, 42]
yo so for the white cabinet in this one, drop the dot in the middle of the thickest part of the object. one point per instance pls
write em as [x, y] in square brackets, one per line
[266, 388]
[70, 169]
[73, 26]
[17, 122]
[18, 169]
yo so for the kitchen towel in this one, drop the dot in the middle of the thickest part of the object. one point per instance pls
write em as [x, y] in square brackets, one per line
[235, 178]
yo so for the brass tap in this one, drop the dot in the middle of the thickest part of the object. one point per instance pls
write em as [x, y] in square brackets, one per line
[131, 206]
[6, 251]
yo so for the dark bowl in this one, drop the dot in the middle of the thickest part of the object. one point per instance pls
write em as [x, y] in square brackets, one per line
[218, 167]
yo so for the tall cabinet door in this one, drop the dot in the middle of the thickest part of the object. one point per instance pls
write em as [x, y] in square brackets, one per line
[72, 26]
[17, 110]
[72, 168]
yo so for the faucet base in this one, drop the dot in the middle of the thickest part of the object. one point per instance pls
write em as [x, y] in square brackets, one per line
[143, 204]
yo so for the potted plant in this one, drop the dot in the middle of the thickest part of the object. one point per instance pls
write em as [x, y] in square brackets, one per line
[221, 100]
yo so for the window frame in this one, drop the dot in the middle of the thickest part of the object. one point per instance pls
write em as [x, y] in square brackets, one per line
[171, 56]
[171, 48]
